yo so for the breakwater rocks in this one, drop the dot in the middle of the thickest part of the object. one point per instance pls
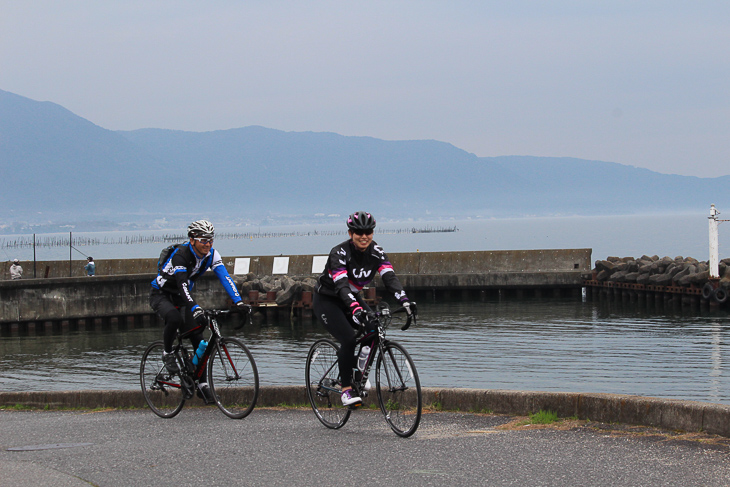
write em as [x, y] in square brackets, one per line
[655, 271]
[287, 289]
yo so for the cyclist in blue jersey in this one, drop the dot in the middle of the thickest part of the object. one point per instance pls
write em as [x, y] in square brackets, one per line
[337, 300]
[171, 298]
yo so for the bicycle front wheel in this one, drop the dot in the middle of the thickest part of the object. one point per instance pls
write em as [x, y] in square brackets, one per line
[162, 390]
[323, 384]
[399, 390]
[233, 378]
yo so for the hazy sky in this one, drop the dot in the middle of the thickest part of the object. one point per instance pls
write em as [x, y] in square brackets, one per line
[644, 83]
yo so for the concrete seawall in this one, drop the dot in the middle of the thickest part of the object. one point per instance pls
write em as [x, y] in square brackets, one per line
[121, 288]
[669, 414]
[405, 263]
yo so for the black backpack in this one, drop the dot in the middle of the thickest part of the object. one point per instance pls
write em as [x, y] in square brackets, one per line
[165, 256]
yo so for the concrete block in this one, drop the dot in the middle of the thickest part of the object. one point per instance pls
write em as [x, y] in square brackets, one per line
[278, 395]
[682, 415]
[716, 419]
[599, 407]
[640, 410]
[565, 404]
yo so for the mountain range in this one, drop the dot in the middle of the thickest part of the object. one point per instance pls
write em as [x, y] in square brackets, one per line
[55, 165]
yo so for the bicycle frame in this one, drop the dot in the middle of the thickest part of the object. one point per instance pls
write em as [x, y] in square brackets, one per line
[396, 381]
[213, 344]
[232, 377]
[378, 343]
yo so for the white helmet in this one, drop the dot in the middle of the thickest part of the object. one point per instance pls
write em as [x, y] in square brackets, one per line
[201, 228]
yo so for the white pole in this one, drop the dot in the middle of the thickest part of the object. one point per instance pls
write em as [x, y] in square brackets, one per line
[714, 250]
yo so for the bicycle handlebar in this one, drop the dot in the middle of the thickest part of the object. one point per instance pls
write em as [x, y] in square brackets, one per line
[374, 316]
[410, 319]
[217, 312]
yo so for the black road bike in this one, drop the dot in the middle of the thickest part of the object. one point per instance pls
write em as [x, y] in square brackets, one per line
[396, 379]
[231, 373]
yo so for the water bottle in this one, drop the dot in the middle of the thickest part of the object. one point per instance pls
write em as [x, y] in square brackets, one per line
[362, 359]
[199, 352]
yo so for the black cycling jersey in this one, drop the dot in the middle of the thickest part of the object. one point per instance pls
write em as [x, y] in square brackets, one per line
[348, 270]
[184, 266]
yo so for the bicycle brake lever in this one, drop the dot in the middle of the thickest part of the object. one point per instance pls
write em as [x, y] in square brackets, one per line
[249, 312]
[242, 323]
[408, 322]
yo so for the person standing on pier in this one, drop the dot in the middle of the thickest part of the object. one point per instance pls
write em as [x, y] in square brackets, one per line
[16, 271]
[90, 267]
[337, 300]
[170, 295]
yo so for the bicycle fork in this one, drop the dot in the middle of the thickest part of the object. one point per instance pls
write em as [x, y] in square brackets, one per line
[396, 368]
[229, 368]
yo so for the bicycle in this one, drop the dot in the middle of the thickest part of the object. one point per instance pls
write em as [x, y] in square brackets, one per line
[396, 379]
[231, 373]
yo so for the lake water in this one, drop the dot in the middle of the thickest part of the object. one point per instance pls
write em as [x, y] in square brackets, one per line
[520, 344]
[534, 344]
[633, 235]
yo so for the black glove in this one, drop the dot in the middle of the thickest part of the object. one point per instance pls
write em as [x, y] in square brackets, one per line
[358, 316]
[371, 321]
[242, 307]
[411, 308]
[199, 316]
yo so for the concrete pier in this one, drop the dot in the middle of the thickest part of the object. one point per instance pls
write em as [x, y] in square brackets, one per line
[124, 293]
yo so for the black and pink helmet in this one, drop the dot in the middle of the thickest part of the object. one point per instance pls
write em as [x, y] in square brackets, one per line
[360, 220]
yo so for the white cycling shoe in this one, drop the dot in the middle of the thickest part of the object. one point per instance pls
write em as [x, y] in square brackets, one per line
[350, 399]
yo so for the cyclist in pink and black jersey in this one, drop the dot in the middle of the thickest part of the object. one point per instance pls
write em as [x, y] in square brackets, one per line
[337, 301]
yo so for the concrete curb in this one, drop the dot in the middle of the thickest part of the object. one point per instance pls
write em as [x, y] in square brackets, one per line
[670, 414]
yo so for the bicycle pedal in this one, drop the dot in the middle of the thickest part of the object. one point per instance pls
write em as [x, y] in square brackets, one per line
[206, 401]
[352, 407]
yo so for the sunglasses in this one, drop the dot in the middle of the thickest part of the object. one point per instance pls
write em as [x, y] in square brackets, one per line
[204, 241]
[362, 232]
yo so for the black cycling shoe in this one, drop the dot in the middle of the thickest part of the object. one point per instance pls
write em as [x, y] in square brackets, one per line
[205, 393]
[170, 363]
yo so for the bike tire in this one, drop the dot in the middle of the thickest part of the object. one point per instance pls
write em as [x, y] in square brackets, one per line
[322, 375]
[162, 391]
[398, 389]
[233, 378]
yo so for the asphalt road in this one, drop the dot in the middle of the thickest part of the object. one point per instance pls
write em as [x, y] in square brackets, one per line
[291, 448]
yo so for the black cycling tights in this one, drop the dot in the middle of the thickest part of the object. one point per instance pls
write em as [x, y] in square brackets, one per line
[335, 317]
[174, 320]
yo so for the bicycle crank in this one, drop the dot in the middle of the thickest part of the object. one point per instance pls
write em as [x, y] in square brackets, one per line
[188, 386]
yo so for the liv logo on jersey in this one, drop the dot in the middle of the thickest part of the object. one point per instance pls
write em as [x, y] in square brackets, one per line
[360, 273]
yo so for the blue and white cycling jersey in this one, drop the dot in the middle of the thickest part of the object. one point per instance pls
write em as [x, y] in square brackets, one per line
[184, 266]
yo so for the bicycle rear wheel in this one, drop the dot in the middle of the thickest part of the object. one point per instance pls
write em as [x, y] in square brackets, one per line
[233, 378]
[162, 390]
[323, 384]
[399, 390]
